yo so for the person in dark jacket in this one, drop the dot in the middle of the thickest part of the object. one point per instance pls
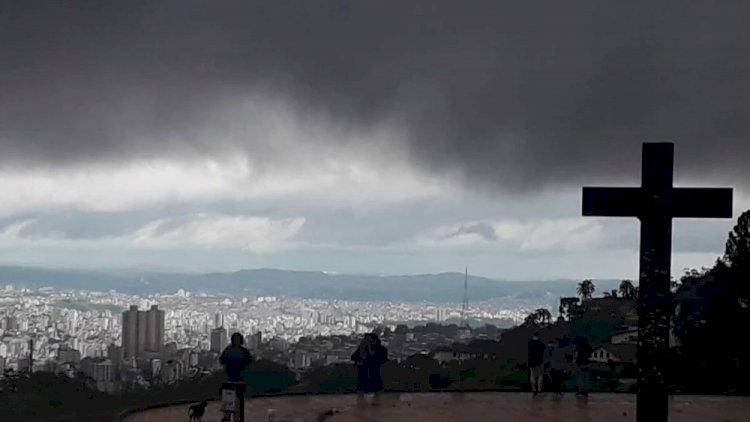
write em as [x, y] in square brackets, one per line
[536, 363]
[555, 363]
[235, 358]
[583, 356]
[369, 357]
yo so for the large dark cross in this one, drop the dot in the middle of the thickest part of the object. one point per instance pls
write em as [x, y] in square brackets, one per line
[655, 203]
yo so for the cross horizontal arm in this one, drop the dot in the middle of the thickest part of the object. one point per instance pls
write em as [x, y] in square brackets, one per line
[702, 203]
[611, 202]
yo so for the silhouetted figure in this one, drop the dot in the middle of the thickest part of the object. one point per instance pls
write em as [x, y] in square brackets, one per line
[555, 362]
[369, 357]
[236, 359]
[536, 363]
[583, 356]
[196, 411]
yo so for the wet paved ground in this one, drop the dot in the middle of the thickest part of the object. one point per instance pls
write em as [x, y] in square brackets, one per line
[437, 407]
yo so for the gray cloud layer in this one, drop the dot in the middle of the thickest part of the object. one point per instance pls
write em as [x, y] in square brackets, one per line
[516, 95]
[483, 230]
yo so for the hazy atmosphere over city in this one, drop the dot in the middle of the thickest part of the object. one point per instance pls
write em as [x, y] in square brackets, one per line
[357, 137]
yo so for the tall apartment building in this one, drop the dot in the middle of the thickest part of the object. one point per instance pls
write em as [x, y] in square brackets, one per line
[218, 339]
[130, 332]
[154, 330]
[255, 341]
[103, 371]
[66, 354]
[142, 331]
[115, 353]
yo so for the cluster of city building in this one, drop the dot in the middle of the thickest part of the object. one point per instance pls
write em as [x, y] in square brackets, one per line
[119, 340]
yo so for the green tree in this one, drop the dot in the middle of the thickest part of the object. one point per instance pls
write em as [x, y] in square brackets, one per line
[545, 317]
[737, 258]
[627, 289]
[541, 316]
[401, 329]
[422, 373]
[710, 305]
[585, 289]
[566, 306]
[531, 319]
[335, 378]
[265, 376]
[737, 251]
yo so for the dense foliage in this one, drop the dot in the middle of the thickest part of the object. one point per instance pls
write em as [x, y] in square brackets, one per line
[712, 312]
[47, 396]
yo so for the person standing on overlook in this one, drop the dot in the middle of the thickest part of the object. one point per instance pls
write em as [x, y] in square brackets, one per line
[555, 362]
[235, 359]
[536, 363]
[369, 357]
[583, 356]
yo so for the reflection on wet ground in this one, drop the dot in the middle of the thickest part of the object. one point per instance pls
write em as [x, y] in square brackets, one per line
[439, 407]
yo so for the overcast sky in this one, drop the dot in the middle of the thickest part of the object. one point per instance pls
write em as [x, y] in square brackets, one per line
[360, 136]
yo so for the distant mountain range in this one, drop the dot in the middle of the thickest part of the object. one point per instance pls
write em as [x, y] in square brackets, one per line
[444, 287]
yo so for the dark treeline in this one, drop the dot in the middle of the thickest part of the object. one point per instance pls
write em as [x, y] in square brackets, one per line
[711, 319]
[46, 396]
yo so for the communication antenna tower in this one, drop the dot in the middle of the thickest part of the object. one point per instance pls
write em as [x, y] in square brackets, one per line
[465, 305]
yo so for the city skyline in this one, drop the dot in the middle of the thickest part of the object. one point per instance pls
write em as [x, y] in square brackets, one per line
[121, 340]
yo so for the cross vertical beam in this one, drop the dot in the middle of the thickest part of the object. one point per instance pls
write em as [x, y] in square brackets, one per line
[655, 203]
[654, 278]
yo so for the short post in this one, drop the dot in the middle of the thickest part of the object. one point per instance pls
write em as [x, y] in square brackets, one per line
[233, 401]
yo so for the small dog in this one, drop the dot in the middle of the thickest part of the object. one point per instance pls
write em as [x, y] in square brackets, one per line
[323, 416]
[196, 411]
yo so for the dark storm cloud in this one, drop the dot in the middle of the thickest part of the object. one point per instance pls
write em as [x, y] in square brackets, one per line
[515, 95]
